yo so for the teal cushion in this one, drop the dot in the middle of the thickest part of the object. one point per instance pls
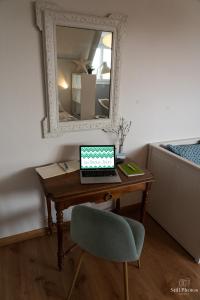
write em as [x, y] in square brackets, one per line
[189, 151]
[106, 235]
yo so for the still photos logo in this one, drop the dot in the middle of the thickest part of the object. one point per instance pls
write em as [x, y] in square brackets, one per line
[184, 287]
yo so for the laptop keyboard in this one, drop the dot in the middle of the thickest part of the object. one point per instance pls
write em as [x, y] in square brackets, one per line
[101, 173]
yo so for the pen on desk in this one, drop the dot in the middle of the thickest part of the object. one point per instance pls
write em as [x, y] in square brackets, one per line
[131, 167]
[64, 166]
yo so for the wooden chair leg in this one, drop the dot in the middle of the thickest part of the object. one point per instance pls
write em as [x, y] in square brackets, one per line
[138, 263]
[126, 292]
[75, 275]
[70, 249]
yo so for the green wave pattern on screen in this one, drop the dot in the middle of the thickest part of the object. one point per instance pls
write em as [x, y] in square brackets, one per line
[97, 157]
[97, 152]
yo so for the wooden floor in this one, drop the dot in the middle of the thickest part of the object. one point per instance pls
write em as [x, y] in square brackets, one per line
[28, 271]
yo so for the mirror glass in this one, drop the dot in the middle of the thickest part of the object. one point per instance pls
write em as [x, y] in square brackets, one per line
[84, 59]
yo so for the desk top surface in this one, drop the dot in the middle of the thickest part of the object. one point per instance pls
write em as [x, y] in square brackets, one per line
[68, 185]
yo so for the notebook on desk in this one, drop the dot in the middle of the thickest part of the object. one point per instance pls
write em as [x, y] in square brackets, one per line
[97, 164]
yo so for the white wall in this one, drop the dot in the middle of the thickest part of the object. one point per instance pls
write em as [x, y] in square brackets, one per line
[159, 92]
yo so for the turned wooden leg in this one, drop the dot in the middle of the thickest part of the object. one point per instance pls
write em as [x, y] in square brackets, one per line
[59, 218]
[75, 275]
[50, 222]
[144, 202]
[126, 292]
[117, 206]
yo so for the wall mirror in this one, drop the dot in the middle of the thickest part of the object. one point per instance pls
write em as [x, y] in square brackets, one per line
[81, 60]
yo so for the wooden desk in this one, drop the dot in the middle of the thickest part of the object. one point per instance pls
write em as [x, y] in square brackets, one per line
[66, 190]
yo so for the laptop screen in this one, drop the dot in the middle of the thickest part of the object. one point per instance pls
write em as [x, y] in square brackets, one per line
[97, 157]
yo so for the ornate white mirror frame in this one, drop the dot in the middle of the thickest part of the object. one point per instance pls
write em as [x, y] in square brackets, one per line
[49, 15]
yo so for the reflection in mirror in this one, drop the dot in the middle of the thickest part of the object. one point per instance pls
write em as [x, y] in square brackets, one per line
[83, 73]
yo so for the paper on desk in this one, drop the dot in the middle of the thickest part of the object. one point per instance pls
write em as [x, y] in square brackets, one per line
[50, 171]
[55, 170]
[73, 165]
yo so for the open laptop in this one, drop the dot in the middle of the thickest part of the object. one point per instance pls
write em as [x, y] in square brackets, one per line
[97, 164]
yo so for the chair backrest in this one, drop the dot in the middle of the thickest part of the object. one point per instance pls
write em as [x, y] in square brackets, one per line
[103, 234]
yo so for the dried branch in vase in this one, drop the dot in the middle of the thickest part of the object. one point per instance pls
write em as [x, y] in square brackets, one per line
[120, 131]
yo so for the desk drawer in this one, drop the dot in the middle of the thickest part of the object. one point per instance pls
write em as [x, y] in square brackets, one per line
[97, 198]
[106, 196]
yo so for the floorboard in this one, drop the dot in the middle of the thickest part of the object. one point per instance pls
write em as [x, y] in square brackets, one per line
[28, 271]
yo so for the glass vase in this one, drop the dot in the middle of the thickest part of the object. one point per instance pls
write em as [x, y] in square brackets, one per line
[120, 155]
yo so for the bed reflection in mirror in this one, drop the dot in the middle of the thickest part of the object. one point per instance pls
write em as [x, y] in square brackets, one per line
[83, 73]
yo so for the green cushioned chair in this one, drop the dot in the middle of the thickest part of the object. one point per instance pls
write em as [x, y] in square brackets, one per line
[106, 235]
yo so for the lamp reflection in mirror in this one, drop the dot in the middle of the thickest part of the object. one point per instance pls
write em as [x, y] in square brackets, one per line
[63, 114]
[107, 40]
[104, 68]
[63, 84]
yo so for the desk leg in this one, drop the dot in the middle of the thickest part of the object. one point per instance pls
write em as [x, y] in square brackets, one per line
[50, 221]
[59, 223]
[144, 202]
[117, 206]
